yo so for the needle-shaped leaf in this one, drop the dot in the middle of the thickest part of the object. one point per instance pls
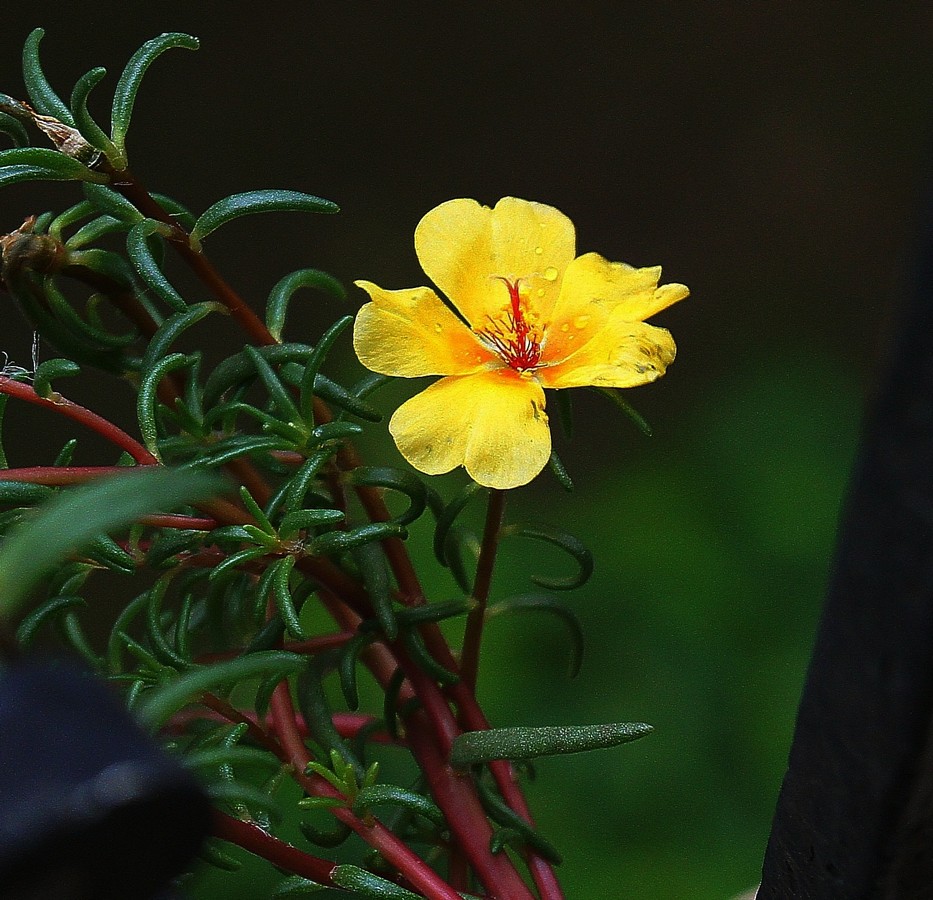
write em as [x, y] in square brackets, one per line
[251, 202]
[43, 164]
[75, 518]
[15, 129]
[156, 706]
[41, 93]
[281, 294]
[84, 121]
[124, 96]
[475, 747]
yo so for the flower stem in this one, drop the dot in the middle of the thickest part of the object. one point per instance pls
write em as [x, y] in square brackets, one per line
[473, 636]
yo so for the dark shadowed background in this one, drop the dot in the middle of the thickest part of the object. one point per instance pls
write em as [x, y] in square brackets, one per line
[768, 155]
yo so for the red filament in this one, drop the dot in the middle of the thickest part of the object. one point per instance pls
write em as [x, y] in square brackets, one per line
[512, 337]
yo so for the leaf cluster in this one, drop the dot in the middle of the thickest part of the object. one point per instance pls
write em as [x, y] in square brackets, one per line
[221, 647]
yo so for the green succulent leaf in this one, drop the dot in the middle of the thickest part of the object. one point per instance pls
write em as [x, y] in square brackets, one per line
[543, 603]
[281, 294]
[15, 129]
[156, 706]
[51, 369]
[251, 202]
[140, 254]
[397, 480]
[51, 609]
[109, 202]
[75, 518]
[43, 97]
[390, 793]
[368, 885]
[296, 886]
[124, 95]
[43, 164]
[475, 747]
[84, 122]
[615, 396]
[569, 544]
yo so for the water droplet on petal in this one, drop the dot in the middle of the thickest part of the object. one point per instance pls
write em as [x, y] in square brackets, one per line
[539, 250]
[550, 273]
[565, 327]
[438, 327]
[581, 321]
[540, 292]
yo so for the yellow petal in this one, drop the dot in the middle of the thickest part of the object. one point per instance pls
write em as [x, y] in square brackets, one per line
[592, 290]
[493, 423]
[621, 354]
[411, 333]
[466, 248]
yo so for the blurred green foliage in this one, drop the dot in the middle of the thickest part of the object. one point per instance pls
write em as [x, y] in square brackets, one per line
[713, 543]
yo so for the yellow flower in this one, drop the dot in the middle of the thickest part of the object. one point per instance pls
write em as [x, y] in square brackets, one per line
[527, 315]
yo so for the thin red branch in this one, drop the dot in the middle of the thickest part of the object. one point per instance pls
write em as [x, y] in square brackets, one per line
[59, 404]
[259, 842]
[473, 635]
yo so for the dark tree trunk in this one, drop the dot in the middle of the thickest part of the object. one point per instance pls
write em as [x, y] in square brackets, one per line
[855, 813]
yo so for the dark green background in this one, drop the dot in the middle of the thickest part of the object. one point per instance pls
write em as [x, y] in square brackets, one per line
[770, 156]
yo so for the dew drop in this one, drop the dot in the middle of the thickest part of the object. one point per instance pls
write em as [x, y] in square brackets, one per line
[539, 250]
[550, 273]
[540, 292]
[581, 321]
[565, 327]
[438, 327]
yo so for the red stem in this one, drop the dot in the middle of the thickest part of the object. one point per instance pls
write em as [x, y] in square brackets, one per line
[92, 420]
[258, 841]
[395, 852]
[473, 636]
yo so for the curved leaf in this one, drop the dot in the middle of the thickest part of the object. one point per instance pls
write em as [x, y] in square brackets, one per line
[542, 603]
[397, 480]
[109, 202]
[353, 878]
[49, 164]
[76, 517]
[314, 363]
[251, 202]
[156, 706]
[52, 368]
[147, 398]
[15, 129]
[43, 97]
[281, 294]
[140, 254]
[569, 544]
[124, 96]
[390, 793]
[84, 121]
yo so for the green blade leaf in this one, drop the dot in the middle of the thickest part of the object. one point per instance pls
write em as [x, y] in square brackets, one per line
[257, 202]
[124, 96]
[56, 166]
[543, 603]
[84, 121]
[74, 519]
[368, 885]
[137, 248]
[474, 747]
[160, 703]
[569, 544]
[281, 294]
[44, 99]
[14, 128]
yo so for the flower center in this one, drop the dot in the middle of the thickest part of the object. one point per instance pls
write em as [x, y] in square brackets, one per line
[511, 336]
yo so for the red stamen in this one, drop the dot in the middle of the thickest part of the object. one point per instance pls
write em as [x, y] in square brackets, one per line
[513, 338]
